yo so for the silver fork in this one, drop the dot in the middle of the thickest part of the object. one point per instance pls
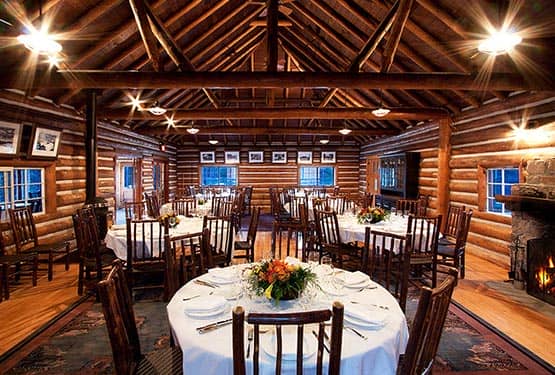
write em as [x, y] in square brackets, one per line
[250, 337]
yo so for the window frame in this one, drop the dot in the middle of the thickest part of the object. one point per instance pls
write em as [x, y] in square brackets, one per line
[201, 169]
[317, 167]
[482, 179]
[504, 211]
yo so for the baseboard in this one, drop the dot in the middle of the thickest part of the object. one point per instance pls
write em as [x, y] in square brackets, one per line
[523, 349]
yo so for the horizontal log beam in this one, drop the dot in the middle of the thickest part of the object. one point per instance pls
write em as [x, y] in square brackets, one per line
[277, 113]
[182, 130]
[85, 79]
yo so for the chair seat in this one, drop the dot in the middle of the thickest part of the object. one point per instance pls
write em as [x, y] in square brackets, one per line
[106, 259]
[242, 245]
[47, 247]
[445, 241]
[446, 250]
[17, 258]
[163, 361]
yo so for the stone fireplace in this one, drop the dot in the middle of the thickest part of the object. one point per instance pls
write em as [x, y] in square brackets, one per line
[533, 216]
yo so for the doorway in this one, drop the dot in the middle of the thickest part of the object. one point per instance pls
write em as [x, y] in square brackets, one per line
[128, 185]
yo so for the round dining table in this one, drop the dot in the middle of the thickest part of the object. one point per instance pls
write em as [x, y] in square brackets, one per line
[351, 230]
[375, 329]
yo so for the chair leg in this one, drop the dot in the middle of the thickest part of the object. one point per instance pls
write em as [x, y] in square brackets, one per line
[35, 269]
[67, 257]
[4, 288]
[80, 279]
[461, 265]
[50, 266]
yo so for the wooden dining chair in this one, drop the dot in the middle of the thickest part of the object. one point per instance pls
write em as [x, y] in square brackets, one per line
[280, 320]
[184, 206]
[221, 238]
[14, 266]
[423, 255]
[407, 206]
[117, 306]
[26, 239]
[427, 327]
[145, 246]
[451, 225]
[329, 240]
[186, 257]
[135, 210]
[245, 249]
[152, 204]
[453, 254]
[94, 257]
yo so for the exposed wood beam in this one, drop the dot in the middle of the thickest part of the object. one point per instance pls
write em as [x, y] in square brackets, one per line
[272, 34]
[279, 113]
[397, 28]
[164, 131]
[264, 23]
[149, 40]
[83, 79]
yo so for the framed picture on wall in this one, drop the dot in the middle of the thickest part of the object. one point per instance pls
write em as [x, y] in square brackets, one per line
[207, 157]
[45, 143]
[279, 157]
[10, 135]
[304, 157]
[328, 157]
[232, 157]
[256, 156]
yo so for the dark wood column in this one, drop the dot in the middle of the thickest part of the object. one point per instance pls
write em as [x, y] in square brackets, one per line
[443, 168]
[90, 146]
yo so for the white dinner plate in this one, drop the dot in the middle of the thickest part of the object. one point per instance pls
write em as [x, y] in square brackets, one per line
[361, 285]
[207, 314]
[289, 344]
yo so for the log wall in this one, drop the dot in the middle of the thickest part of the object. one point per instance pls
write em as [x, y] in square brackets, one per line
[480, 138]
[70, 173]
[263, 175]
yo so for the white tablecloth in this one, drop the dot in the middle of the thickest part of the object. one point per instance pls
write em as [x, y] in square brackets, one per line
[116, 238]
[211, 352]
[350, 230]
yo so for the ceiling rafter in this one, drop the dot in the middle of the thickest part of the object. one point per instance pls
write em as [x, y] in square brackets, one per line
[138, 7]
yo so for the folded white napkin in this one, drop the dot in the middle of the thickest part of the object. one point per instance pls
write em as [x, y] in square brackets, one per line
[323, 270]
[355, 278]
[205, 304]
[292, 260]
[366, 314]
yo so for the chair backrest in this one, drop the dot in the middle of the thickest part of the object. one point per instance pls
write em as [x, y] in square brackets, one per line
[152, 204]
[221, 206]
[367, 200]
[248, 197]
[336, 203]
[134, 210]
[427, 327]
[424, 200]
[184, 206]
[221, 237]
[145, 240]
[327, 227]
[120, 320]
[279, 320]
[425, 234]
[462, 233]
[452, 222]
[407, 206]
[186, 257]
[23, 228]
[87, 242]
[253, 226]
[295, 204]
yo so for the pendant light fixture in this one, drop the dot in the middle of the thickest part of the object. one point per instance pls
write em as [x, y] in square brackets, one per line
[381, 111]
[156, 110]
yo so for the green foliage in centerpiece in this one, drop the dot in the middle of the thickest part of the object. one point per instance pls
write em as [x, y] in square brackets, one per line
[278, 280]
[172, 218]
[370, 215]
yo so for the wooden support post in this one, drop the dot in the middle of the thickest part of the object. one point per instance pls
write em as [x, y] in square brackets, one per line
[90, 146]
[443, 169]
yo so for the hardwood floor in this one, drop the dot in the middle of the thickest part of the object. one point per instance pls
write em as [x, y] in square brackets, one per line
[525, 319]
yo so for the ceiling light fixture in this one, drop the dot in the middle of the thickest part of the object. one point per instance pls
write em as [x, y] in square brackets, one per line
[345, 131]
[192, 130]
[213, 141]
[324, 141]
[38, 40]
[381, 111]
[499, 42]
[156, 110]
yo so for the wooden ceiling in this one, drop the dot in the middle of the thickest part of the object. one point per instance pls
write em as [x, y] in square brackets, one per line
[287, 71]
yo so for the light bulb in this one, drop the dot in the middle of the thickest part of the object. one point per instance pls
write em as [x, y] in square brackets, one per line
[499, 42]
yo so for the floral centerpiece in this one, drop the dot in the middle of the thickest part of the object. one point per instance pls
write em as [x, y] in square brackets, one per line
[172, 218]
[370, 215]
[278, 280]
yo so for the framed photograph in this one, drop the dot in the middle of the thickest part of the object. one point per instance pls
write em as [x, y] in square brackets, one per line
[279, 157]
[45, 142]
[256, 156]
[207, 157]
[232, 157]
[304, 157]
[10, 135]
[328, 157]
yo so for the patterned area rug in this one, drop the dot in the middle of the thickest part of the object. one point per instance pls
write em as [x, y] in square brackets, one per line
[82, 345]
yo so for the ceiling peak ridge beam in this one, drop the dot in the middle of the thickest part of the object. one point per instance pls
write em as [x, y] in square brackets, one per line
[83, 79]
[165, 131]
[405, 7]
[138, 7]
[280, 113]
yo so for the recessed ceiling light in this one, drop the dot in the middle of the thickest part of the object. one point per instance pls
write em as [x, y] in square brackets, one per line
[499, 42]
[345, 131]
[380, 112]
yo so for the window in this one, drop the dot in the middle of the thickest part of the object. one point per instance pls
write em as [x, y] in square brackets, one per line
[317, 176]
[499, 182]
[128, 172]
[223, 176]
[21, 187]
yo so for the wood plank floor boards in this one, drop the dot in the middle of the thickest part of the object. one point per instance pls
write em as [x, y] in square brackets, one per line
[523, 319]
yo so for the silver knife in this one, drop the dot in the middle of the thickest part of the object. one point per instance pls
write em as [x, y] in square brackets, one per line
[211, 326]
[205, 283]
